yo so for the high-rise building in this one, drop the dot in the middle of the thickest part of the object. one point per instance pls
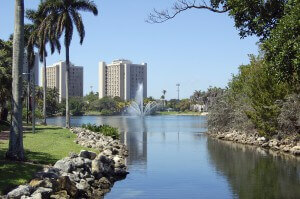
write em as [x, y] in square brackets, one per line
[121, 78]
[56, 78]
[35, 69]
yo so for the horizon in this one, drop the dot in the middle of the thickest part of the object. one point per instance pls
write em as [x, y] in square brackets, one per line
[197, 49]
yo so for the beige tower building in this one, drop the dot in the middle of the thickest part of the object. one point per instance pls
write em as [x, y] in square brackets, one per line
[121, 78]
[56, 78]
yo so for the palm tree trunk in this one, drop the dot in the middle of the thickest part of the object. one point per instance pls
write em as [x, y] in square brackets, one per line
[15, 149]
[45, 90]
[33, 101]
[67, 87]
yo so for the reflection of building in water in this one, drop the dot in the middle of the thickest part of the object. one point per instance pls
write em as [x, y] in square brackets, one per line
[136, 143]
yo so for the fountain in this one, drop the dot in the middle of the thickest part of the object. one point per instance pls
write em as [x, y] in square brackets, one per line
[137, 108]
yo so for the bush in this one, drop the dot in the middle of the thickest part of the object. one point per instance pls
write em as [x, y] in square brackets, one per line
[103, 129]
[106, 112]
[289, 118]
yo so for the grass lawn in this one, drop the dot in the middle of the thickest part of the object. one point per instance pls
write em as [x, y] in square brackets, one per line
[45, 147]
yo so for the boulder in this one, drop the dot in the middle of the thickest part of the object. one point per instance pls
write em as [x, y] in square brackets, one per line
[22, 190]
[68, 185]
[295, 150]
[35, 182]
[78, 162]
[103, 166]
[261, 139]
[41, 191]
[104, 183]
[60, 195]
[65, 165]
[83, 185]
[87, 154]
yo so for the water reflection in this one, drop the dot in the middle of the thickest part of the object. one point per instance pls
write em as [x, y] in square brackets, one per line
[252, 173]
[169, 157]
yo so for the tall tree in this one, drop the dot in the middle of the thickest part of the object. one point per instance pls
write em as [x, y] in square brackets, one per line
[67, 14]
[16, 149]
[163, 97]
[42, 32]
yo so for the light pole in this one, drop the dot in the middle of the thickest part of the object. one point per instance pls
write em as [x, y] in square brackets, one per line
[178, 85]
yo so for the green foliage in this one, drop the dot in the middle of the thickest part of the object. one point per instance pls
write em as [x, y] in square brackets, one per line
[76, 106]
[253, 17]
[183, 105]
[103, 129]
[107, 105]
[172, 103]
[5, 76]
[251, 101]
[282, 50]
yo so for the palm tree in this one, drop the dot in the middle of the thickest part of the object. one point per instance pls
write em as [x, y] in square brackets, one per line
[41, 34]
[66, 13]
[164, 97]
[16, 149]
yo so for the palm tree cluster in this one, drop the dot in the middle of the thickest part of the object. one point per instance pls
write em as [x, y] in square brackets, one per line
[52, 19]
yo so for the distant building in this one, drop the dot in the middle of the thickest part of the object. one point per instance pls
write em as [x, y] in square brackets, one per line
[121, 78]
[56, 78]
[35, 69]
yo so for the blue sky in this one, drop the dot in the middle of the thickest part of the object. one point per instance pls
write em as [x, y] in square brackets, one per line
[197, 49]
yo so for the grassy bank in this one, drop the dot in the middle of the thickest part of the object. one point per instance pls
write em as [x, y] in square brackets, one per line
[45, 147]
[180, 113]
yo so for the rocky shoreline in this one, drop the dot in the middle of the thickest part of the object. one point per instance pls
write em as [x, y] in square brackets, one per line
[83, 175]
[288, 145]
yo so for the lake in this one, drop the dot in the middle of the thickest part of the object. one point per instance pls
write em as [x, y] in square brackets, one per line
[171, 157]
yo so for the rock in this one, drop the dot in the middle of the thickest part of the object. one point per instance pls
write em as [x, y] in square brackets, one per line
[265, 145]
[83, 185]
[261, 139]
[68, 185]
[120, 173]
[22, 190]
[60, 195]
[102, 166]
[44, 192]
[295, 150]
[286, 149]
[66, 165]
[273, 143]
[87, 154]
[73, 155]
[119, 161]
[78, 162]
[35, 183]
[104, 183]
[220, 136]
[97, 193]
[90, 180]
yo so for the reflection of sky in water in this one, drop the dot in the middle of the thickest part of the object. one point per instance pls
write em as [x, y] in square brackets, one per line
[170, 158]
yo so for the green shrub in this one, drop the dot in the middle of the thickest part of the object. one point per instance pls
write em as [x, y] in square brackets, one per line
[103, 129]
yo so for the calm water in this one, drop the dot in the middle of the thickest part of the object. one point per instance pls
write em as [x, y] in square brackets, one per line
[170, 157]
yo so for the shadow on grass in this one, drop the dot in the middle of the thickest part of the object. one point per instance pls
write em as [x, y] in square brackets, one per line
[39, 129]
[14, 173]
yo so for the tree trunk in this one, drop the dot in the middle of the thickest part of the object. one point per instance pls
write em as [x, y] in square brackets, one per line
[15, 149]
[44, 91]
[67, 87]
[33, 101]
